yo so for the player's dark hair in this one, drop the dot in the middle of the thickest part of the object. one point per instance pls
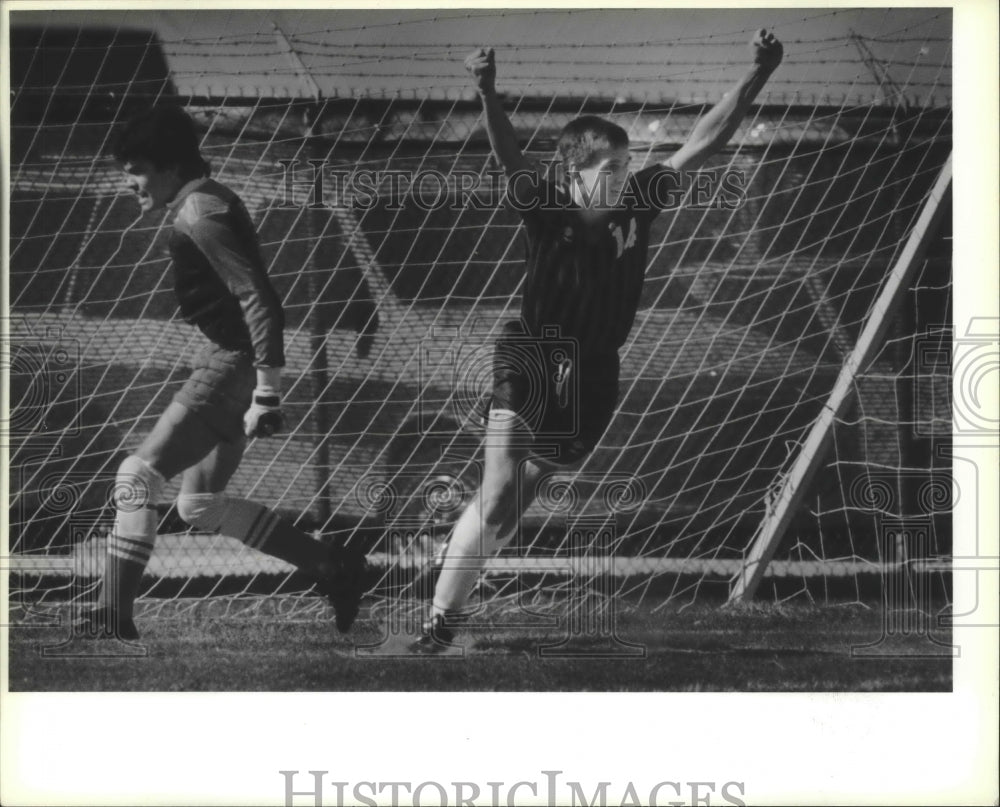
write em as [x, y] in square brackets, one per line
[166, 136]
[582, 138]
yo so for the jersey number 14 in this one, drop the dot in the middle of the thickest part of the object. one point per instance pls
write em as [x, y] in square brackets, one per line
[624, 243]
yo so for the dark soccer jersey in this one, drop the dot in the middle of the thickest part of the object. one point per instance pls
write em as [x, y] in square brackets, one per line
[585, 279]
[221, 283]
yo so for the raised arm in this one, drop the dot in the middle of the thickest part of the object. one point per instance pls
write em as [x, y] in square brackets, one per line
[481, 65]
[715, 128]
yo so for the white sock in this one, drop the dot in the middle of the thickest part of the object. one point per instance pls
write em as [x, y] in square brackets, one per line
[472, 544]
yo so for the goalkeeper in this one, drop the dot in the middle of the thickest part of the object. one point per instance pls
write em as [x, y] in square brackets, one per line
[555, 373]
[233, 393]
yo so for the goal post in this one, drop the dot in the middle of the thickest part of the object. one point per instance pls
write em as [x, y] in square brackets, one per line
[794, 485]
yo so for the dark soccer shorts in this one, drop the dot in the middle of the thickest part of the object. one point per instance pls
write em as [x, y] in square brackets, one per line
[564, 399]
[220, 389]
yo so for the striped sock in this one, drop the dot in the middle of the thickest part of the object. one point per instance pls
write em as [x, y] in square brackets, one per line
[264, 530]
[129, 550]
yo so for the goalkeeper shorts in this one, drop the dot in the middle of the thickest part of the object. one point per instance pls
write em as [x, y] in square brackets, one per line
[564, 399]
[220, 389]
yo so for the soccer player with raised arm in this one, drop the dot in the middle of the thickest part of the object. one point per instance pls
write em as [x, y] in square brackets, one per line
[587, 228]
[233, 393]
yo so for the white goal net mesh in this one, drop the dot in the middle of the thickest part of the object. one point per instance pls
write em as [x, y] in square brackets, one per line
[394, 291]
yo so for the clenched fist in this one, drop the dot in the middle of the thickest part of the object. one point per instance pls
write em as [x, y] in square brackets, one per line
[483, 68]
[767, 50]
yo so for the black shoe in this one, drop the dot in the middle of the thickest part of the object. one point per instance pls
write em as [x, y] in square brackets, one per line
[436, 636]
[105, 622]
[345, 584]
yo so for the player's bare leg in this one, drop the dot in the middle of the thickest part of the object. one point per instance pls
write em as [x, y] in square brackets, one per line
[203, 504]
[182, 441]
[486, 525]
[179, 439]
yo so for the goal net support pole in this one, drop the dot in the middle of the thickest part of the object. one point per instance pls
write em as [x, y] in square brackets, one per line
[785, 502]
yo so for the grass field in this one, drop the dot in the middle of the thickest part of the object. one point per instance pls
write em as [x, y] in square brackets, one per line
[701, 648]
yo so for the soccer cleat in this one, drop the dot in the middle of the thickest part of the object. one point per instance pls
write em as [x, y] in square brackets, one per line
[436, 636]
[105, 622]
[344, 585]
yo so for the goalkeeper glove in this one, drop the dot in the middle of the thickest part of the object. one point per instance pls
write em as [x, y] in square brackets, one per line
[264, 418]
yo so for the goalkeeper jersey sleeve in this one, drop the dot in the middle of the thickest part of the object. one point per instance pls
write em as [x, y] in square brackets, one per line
[219, 276]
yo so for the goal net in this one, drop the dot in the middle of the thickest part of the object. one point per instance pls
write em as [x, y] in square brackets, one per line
[359, 149]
